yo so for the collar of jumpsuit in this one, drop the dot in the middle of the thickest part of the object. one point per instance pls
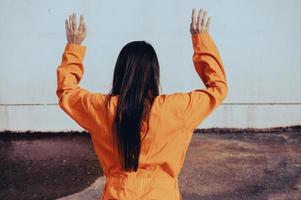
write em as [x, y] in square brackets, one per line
[173, 117]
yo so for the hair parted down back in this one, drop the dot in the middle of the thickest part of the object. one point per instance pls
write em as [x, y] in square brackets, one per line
[136, 82]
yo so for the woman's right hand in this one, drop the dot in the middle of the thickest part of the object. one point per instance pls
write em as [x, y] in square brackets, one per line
[199, 24]
[75, 34]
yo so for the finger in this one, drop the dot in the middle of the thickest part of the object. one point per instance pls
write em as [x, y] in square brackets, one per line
[74, 23]
[208, 23]
[204, 18]
[67, 27]
[200, 18]
[193, 15]
[81, 24]
[84, 29]
[193, 19]
[70, 24]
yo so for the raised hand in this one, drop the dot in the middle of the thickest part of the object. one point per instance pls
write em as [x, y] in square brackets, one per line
[199, 24]
[75, 34]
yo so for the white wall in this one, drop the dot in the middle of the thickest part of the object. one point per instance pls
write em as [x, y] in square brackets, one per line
[259, 42]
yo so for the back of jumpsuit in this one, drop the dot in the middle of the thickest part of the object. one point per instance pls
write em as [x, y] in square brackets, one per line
[173, 117]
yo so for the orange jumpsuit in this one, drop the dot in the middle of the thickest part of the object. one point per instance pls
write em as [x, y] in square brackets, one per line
[173, 118]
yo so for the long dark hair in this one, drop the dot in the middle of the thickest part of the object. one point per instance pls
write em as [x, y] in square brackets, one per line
[136, 81]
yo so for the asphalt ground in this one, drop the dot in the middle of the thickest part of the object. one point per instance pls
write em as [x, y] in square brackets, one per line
[46, 165]
[263, 164]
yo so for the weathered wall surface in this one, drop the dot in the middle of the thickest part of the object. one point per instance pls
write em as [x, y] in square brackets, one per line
[259, 42]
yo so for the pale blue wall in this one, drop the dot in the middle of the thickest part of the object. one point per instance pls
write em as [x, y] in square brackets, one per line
[259, 42]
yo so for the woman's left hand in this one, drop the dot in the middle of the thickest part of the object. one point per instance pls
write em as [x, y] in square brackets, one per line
[75, 34]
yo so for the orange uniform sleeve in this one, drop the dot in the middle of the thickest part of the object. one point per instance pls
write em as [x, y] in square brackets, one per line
[74, 100]
[199, 103]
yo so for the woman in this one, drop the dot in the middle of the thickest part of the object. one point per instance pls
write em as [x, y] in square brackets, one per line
[143, 149]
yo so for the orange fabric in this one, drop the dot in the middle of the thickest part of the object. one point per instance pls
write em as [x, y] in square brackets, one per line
[172, 121]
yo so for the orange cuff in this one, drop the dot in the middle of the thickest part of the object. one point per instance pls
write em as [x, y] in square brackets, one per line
[78, 50]
[201, 42]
